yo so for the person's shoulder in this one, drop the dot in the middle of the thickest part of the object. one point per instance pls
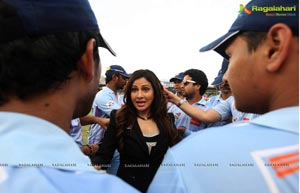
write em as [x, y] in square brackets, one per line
[284, 119]
[224, 104]
[102, 92]
[104, 96]
[211, 135]
[62, 181]
[240, 133]
[212, 99]
[90, 182]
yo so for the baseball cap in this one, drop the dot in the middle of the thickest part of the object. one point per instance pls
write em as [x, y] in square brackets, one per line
[259, 15]
[179, 76]
[116, 69]
[219, 79]
[33, 18]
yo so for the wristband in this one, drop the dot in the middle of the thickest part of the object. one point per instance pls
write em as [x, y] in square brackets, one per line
[181, 102]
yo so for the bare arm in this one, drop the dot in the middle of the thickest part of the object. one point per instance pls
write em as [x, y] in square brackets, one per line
[192, 111]
[90, 119]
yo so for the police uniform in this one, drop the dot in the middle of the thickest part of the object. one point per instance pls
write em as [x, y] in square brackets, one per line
[47, 160]
[256, 156]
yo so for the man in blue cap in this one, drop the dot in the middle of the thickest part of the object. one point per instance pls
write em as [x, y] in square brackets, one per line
[177, 80]
[225, 92]
[50, 69]
[262, 155]
[182, 121]
[223, 108]
[105, 101]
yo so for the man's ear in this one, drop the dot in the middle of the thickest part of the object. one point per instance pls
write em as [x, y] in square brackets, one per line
[115, 77]
[198, 86]
[87, 63]
[279, 39]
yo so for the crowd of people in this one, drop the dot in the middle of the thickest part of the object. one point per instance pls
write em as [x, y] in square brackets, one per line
[149, 139]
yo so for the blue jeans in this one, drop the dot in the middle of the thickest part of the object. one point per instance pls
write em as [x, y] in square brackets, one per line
[114, 165]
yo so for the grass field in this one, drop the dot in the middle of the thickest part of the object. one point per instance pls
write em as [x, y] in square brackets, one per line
[85, 133]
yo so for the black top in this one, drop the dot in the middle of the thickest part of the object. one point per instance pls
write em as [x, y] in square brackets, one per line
[137, 165]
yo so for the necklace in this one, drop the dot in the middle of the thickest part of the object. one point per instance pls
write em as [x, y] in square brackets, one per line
[145, 118]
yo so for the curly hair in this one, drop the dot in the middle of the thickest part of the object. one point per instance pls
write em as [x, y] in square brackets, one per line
[126, 116]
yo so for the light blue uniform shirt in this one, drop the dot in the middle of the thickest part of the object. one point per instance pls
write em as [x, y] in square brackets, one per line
[213, 101]
[37, 156]
[196, 125]
[105, 101]
[227, 109]
[181, 119]
[260, 156]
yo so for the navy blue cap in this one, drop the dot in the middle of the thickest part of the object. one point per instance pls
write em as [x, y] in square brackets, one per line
[116, 69]
[179, 76]
[259, 15]
[219, 79]
[44, 17]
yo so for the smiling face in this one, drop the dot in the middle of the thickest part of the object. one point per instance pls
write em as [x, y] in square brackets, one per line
[142, 96]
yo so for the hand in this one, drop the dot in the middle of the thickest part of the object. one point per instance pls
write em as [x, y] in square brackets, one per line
[91, 119]
[171, 97]
[103, 122]
[95, 148]
[90, 149]
[181, 129]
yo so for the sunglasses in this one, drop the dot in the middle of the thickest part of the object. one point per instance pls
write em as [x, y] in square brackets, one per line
[186, 82]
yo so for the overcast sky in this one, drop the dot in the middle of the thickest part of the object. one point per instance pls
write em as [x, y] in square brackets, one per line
[164, 35]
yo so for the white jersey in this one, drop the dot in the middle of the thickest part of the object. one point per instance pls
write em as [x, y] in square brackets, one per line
[104, 102]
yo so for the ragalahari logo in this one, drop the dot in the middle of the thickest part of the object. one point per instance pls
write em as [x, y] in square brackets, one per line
[272, 10]
[244, 9]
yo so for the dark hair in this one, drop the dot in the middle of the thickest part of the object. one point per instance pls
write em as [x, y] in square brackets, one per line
[108, 76]
[253, 39]
[32, 65]
[126, 116]
[199, 77]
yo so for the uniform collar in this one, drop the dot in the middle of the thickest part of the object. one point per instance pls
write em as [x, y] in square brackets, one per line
[202, 101]
[107, 89]
[286, 119]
